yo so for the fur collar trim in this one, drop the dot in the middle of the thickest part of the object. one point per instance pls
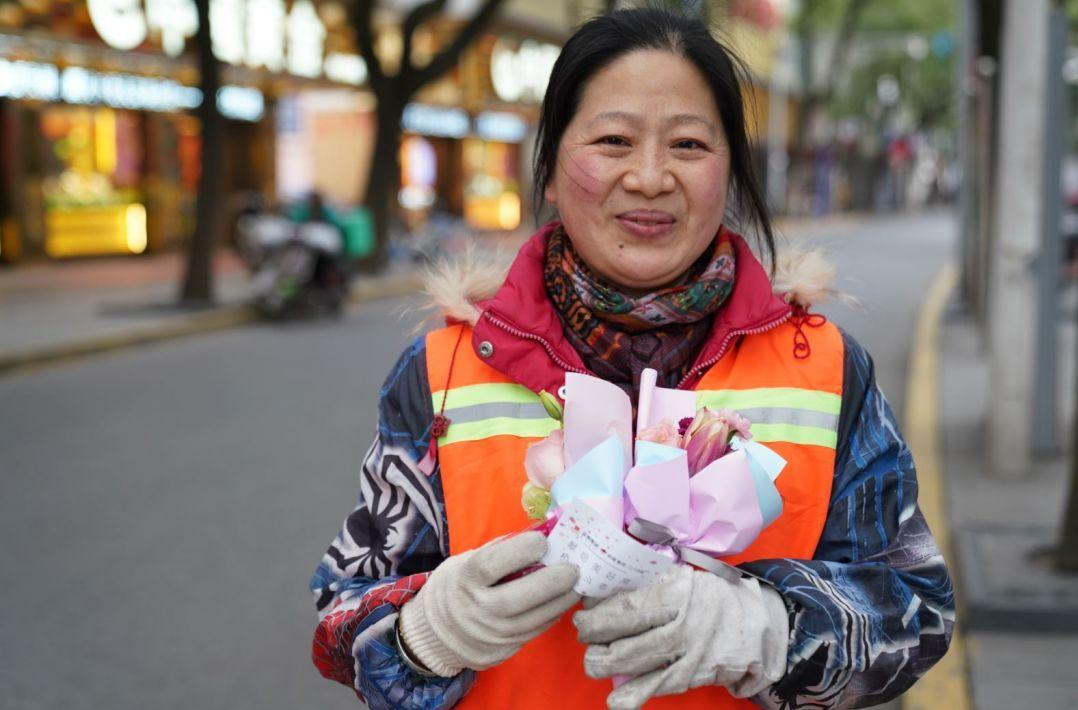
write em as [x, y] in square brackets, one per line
[457, 286]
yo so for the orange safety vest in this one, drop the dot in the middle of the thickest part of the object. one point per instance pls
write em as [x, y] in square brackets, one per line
[793, 405]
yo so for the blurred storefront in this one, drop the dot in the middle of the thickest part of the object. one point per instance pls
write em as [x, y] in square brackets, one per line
[89, 179]
[100, 144]
[466, 149]
[325, 138]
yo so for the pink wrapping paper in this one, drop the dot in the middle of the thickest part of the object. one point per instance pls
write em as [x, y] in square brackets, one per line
[715, 512]
[595, 409]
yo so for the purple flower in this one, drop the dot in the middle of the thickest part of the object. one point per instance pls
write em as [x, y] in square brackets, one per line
[707, 438]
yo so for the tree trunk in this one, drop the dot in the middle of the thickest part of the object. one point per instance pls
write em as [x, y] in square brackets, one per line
[198, 279]
[383, 184]
[393, 93]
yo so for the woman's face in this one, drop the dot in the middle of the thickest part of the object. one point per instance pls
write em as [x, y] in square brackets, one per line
[642, 170]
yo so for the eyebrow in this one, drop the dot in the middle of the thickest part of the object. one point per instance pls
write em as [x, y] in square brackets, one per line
[636, 119]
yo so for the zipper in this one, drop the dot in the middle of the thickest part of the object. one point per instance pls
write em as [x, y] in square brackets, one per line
[531, 336]
[726, 343]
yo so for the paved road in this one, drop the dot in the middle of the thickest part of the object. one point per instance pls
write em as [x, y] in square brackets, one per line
[162, 508]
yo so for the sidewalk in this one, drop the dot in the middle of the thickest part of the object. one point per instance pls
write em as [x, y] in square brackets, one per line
[51, 311]
[1020, 619]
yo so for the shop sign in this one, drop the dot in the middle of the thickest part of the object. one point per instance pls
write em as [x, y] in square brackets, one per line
[257, 33]
[243, 103]
[346, 68]
[175, 20]
[521, 73]
[438, 121]
[450, 122]
[121, 23]
[500, 126]
[76, 85]
[29, 80]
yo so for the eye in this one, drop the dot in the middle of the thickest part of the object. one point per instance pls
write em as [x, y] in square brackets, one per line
[689, 144]
[612, 140]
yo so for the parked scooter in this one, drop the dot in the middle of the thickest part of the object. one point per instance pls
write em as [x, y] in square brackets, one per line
[299, 269]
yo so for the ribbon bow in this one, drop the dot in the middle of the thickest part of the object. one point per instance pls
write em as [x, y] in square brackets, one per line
[656, 534]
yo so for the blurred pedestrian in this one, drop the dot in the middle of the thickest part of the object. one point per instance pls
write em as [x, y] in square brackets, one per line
[845, 600]
[322, 230]
[899, 161]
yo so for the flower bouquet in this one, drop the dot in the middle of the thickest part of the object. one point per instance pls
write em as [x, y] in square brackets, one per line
[690, 487]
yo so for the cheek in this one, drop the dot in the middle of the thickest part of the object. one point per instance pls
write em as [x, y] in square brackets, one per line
[583, 176]
[710, 182]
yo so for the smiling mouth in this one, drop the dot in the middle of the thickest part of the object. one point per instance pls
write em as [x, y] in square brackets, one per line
[647, 224]
[647, 217]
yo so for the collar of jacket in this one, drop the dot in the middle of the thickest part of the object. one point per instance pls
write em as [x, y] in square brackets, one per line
[519, 333]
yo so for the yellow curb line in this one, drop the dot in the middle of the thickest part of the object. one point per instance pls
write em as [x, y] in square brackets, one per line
[946, 685]
[183, 326]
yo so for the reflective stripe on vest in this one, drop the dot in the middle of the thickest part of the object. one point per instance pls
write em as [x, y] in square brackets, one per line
[493, 409]
[793, 406]
[789, 414]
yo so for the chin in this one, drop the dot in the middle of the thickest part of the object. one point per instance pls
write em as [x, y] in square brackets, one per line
[644, 275]
[640, 281]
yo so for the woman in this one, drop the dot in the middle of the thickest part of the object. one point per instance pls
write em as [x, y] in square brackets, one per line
[642, 138]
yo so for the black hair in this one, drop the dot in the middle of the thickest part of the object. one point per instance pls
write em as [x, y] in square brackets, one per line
[604, 39]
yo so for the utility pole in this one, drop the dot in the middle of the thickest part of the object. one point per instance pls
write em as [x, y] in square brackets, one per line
[1013, 290]
[967, 139]
[1045, 410]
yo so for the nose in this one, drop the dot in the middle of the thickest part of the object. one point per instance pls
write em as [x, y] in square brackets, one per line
[649, 175]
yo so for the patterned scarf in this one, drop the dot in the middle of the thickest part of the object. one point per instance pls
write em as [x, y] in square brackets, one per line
[619, 335]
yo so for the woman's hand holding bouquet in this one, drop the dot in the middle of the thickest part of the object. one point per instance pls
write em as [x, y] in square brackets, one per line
[696, 488]
[466, 616]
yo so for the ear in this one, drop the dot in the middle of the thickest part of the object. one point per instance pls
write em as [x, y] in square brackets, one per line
[550, 193]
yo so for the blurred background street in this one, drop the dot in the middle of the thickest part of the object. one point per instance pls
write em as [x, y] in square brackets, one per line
[200, 299]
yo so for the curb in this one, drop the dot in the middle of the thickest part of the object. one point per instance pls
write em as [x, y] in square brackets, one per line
[371, 289]
[946, 685]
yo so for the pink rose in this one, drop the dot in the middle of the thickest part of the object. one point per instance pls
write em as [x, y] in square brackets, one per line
[663, 432]
[739, 424]
[544, 460]
[707, 438]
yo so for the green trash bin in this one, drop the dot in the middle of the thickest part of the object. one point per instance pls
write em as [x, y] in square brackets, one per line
[358, 228]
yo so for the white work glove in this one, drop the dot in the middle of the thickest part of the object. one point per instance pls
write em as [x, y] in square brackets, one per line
[689, 629]
[462, 618]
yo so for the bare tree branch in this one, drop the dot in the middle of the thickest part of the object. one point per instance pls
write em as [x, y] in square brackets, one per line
[415, 18]
[843, 41]
[816, 96]
[445, 59]
[362, 12]
[393, 92]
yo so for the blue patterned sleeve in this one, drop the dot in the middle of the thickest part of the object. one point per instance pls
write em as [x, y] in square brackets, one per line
[383, 555]
[874, 609]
